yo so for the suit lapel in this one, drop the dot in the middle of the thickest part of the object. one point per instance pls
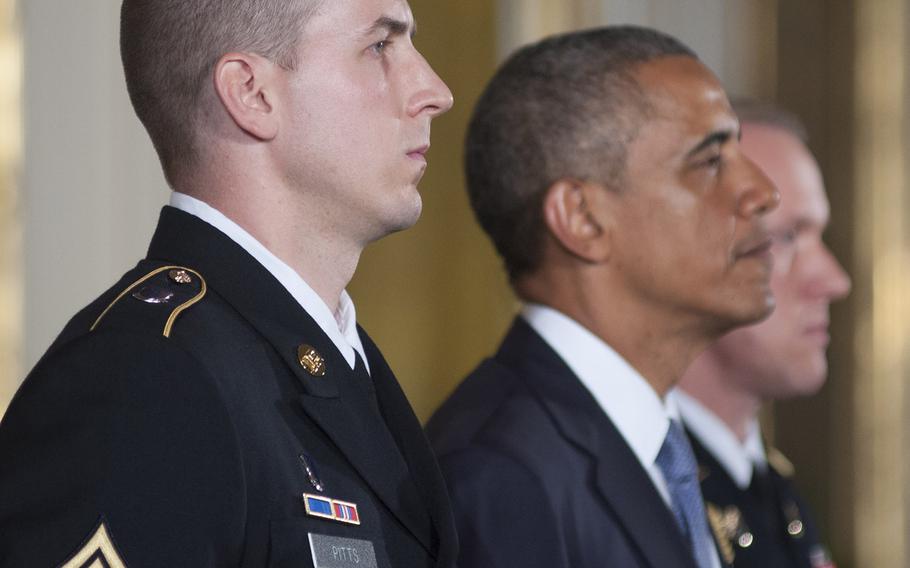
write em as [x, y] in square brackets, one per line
[245, 284]
[620, 479]
[415, 448]
[628, 488]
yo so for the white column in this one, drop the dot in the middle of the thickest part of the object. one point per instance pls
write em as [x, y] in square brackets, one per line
[92, 186]
[10, 231]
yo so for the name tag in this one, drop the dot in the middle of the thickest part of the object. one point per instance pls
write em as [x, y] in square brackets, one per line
[337, 552]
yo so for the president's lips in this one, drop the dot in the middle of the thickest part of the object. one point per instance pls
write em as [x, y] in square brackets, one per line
[756, 248]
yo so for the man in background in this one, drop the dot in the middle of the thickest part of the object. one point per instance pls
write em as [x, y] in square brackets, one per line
[219, 406]
[605, 166]
[757, 513]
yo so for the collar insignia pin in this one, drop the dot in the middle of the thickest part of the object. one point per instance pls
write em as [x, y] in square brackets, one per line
[180, 276]
[729, 527]
[311, 360]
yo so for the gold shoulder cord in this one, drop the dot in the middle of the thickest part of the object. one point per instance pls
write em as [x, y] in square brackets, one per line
[168, 326]
[780, 462]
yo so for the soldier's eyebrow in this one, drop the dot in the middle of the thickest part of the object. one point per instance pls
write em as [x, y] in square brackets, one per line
[392, 26]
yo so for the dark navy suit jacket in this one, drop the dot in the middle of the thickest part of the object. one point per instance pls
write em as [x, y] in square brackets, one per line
[188, 447]
[540, 477]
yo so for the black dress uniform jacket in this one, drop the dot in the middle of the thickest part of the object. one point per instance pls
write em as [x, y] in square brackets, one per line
[178, 427]
[540, 477]
[766, 525]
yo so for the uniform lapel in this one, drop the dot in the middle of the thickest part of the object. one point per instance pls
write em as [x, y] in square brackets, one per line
[620, 478]
[415, 448]
[370, 456]
[245, 284]
[716, 481]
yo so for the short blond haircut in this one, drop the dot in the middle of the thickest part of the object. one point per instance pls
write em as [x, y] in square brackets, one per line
[169, 49]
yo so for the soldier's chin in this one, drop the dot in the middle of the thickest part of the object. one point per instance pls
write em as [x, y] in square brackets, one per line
[812, 378]
[404, 217]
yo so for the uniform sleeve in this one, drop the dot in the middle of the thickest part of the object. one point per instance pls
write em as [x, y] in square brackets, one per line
[118, 446]
[502, 513]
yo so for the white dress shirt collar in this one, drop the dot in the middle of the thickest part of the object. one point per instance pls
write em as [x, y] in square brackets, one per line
[630, 402]
[738, 458]
[341, 327]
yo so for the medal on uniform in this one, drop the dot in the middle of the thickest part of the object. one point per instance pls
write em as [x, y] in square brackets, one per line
[331, 509]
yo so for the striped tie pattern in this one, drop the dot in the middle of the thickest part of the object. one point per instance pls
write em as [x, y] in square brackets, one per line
[677, 462]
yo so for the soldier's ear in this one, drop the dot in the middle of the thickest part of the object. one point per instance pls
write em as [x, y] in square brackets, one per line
[574, 215]
[246, 85]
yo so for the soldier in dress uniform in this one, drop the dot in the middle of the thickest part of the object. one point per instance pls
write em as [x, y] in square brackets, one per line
[754, 507]
[219, 405]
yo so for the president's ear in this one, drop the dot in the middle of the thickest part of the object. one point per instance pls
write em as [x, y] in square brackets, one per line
[247, 85]
[576, 216]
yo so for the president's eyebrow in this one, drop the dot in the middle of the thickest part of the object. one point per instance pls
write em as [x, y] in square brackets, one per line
[392, 26]
[718, 137]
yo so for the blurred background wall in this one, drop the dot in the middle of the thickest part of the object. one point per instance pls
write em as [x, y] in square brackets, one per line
[11, 277]
[80, 190]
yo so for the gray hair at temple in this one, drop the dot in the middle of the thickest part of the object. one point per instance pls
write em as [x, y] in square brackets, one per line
[169, 49]
[753, 111]
[565, 107]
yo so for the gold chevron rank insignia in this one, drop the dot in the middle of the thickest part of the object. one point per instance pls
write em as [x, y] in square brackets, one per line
[97, 552]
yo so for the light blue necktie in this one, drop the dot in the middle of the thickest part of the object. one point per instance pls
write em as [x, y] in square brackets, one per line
[677, 462]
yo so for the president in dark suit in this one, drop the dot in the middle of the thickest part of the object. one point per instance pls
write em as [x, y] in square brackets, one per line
[219, 405]
[605, 167]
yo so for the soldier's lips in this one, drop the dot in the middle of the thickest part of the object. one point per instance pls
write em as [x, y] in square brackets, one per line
[818, 332]
[419, 153]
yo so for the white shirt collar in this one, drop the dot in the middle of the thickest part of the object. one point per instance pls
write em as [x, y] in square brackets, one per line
[341, 327]
[630, 402]
[738, 458]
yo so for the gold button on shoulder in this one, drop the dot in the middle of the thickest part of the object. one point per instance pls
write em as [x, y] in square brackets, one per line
[311, 360]
[180, 276]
